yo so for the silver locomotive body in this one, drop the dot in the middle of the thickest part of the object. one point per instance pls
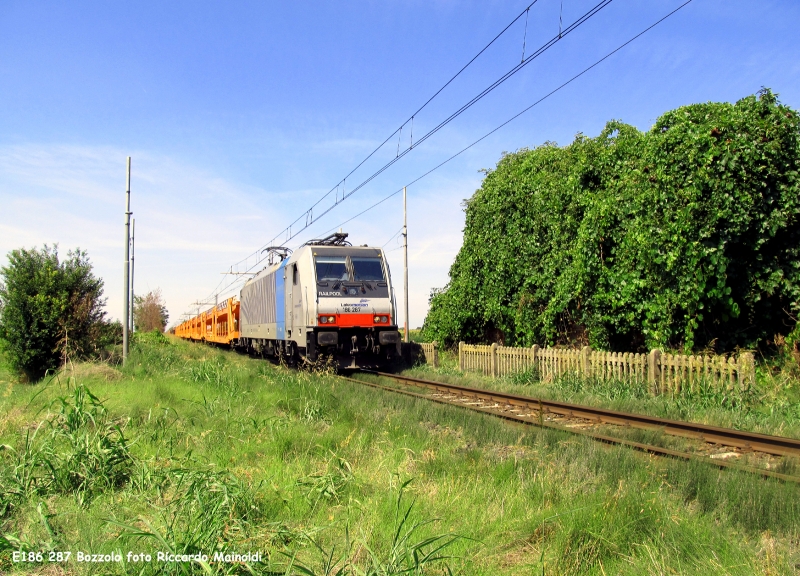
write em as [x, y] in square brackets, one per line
[326, 299]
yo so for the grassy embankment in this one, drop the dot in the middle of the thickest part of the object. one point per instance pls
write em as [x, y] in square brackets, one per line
[193, 449]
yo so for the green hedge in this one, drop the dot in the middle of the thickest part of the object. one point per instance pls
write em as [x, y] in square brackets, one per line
[683, 236]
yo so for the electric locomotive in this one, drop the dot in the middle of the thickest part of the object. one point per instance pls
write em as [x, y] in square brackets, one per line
[326, 299]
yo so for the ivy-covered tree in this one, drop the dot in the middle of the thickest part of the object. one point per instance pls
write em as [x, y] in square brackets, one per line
[50, 310]
[687, 235]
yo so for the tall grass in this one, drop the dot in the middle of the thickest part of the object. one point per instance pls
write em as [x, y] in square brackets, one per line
[229, 453]
[409, 552]
[79, 450]
[330, 484]
[198, 511]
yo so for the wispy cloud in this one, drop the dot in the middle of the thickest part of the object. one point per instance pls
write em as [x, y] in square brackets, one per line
[192, 225]
[185, 218]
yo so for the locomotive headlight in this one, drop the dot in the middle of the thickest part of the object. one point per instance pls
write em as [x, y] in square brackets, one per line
[384, 319]
[377, 319]
[323, 319]
[331, 319]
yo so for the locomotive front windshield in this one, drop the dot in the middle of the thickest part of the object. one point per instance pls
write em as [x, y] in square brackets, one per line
[331, 268]
[367, 269]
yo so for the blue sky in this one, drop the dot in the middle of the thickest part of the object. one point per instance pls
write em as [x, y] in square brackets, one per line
[239, 116]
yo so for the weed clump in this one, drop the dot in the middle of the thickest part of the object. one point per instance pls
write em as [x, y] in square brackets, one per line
[79, 450]
[327, 485]
[201, 510]
[408, 551]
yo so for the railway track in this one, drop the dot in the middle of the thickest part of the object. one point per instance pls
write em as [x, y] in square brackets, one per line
[587, 420]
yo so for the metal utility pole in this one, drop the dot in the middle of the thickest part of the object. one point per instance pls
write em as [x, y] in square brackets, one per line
[133, 259]
[125, 311]
[198, 304]
[405, 260]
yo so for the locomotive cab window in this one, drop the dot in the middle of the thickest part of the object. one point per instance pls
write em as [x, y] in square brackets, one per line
[367, 269]
[331, 268]
[294, 274]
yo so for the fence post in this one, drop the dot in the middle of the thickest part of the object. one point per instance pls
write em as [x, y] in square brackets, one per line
[534, 358]
[435, 354]
[654, 370]
[461, 356]
[747, 370]
[494, 360]
[586, 366]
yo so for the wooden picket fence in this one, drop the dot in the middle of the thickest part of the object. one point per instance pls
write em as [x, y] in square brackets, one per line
[430, 351]
[416, 351]
[663, 373]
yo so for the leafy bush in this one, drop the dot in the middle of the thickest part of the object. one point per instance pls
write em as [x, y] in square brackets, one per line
[684, 236]
[150, 312]
[50, 310]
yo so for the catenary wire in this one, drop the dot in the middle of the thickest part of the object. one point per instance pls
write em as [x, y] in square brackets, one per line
[539, 101]
[511, 119]
[310, 219]
[395, 235]
[400, 128]
[409, 119]
[308, 214]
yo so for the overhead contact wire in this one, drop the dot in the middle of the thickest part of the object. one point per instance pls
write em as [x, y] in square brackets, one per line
[411, 118]
[458, 112]
[536, 103]
[421, 108]
[345, 195]
[411, 143]
[539, 101]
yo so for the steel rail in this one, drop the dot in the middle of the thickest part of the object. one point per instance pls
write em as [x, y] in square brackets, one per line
[777, 445]
[534, 403]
